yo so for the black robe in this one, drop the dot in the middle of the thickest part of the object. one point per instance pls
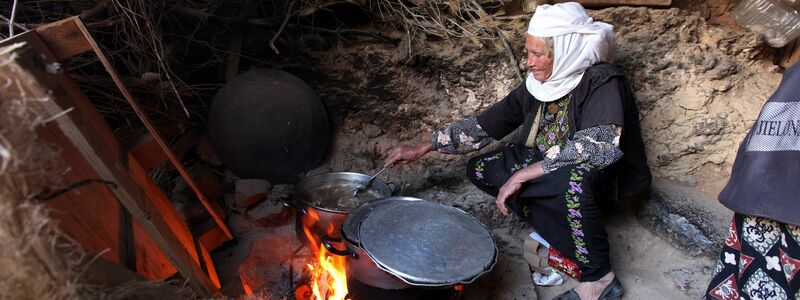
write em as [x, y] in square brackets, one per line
[602, 97]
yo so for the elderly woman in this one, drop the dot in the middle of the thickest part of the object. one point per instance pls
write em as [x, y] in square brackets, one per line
[578, 117]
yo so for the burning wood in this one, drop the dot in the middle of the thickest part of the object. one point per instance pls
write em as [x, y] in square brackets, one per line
[328, 274]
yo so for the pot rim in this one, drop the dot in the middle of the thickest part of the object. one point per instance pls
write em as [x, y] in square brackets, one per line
[487, 269]
[305, 181]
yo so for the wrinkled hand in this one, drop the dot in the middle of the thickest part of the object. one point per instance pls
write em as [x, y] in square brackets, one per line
[407, 153]
[513, 185]
[509, 190]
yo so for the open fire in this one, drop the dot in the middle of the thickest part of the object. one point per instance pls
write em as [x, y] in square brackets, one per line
[328, 274]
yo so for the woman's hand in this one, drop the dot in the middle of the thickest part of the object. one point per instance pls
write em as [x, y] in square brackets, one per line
[408, 153]
[511, 188]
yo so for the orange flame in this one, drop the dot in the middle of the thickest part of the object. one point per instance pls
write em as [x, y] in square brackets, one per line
[329, 279]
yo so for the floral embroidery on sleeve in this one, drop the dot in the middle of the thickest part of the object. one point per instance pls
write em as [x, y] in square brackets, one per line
[597, 146]
[459, 137]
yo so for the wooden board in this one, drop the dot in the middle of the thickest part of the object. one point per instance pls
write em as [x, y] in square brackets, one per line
[212, 207]
[24, 67]
[69, 37]
[209, 263]
[64, 38]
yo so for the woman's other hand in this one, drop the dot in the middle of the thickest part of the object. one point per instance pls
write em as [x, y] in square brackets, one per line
[511, 188]
[408, 153]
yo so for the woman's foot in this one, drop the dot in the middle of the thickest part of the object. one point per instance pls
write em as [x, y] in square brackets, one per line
[607, 288]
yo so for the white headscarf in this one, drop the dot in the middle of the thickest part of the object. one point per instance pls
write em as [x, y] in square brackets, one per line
[578, 43]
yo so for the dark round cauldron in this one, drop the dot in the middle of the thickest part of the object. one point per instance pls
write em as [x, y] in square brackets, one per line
[268, 124]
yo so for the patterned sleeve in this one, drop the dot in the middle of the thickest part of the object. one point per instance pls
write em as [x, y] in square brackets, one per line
[598, 145]
[459, 137]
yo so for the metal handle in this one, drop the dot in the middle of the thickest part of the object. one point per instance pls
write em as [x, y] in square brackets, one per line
[369, 181]
[393, 186]
[376, 174]
[461, 207]
[346, 252]
[293, 204]
[465, 210]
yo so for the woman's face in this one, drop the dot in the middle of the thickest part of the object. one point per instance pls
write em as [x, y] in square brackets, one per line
[539, 60]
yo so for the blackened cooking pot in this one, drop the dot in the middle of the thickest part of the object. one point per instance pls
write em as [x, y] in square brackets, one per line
[323, 201]
[358, 264]
[421, 243]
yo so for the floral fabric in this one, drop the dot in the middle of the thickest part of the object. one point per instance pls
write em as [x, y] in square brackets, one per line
[559, 205]
[574, 215]
[760, 260]
[553, 127]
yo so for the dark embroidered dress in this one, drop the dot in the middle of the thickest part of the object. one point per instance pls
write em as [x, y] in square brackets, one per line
[579, 139]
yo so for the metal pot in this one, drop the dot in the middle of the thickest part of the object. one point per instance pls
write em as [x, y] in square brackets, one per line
[316, 199]
[418, 243]
[358, 264]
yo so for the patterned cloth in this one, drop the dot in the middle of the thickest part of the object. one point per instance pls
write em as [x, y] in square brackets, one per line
[559, 205]
[760, 260]
[553, 127]
[460, 137]
[598, 145]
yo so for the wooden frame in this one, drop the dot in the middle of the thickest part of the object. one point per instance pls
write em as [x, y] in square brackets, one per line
[90, 143]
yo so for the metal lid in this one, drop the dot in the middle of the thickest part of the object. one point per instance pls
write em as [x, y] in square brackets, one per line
[428, 244]
[354, 218]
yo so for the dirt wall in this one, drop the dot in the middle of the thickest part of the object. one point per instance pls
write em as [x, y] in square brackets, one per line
[699, 80]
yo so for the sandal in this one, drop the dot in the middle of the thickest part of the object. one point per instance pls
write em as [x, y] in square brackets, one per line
[613, 291]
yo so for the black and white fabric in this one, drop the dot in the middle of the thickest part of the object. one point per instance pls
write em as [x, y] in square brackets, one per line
[460, 137]
[598, 146]
[777, 129]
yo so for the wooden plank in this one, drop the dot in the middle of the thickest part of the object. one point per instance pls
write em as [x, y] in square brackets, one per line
[64, 38]
[151, 262]
[595, 3]
[90, 214]
[212, 270]
[165, 210]
[23, 67]
[147, 152]
[212, 207]
[212, 237]
[97, 231]
[163, 206]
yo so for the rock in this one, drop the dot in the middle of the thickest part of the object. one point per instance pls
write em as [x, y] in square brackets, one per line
[280, 192]
[249, 191]
[273, 212]
[269, 266]
[371, 131]
[689, 180]
[228, 178]
[185, 200]
[696, 79]
[692, 222]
